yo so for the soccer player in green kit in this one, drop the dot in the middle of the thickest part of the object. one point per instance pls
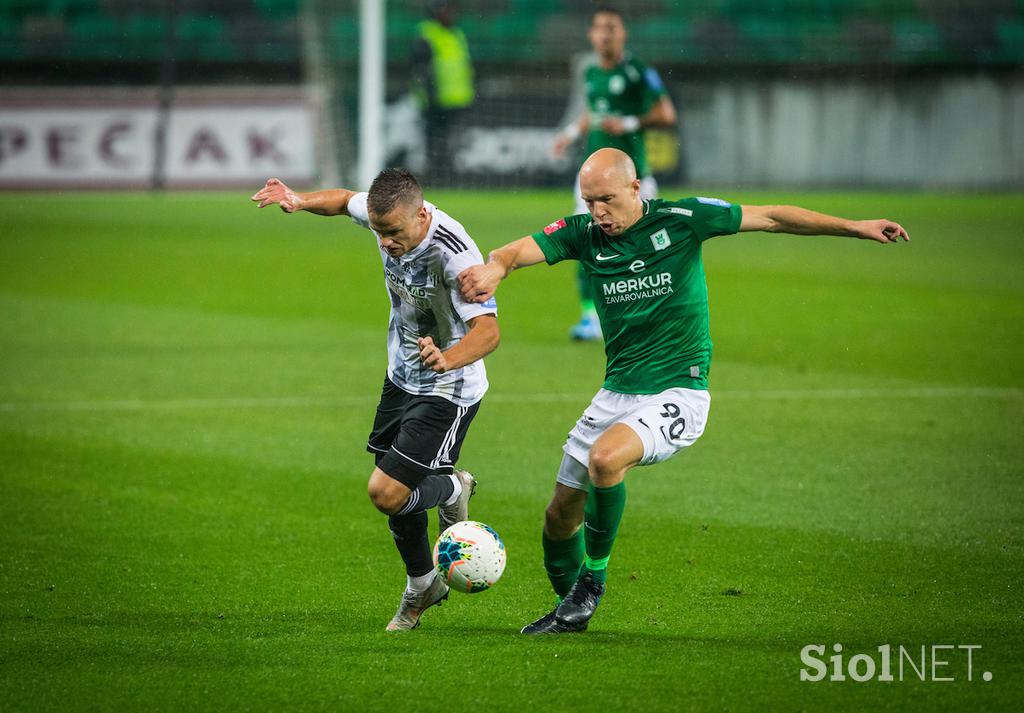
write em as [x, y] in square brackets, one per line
[643, 261]
[624, 97]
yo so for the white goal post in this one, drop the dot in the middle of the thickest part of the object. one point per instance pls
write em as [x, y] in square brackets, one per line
[371, 91]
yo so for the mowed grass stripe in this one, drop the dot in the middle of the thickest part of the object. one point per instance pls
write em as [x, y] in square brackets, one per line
[275, 402]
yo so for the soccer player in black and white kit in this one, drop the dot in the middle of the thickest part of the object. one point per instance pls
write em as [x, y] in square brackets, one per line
[435, 376]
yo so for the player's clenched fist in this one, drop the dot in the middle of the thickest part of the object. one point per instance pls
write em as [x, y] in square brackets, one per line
[276, 192]
[478, 283]
[432, 355]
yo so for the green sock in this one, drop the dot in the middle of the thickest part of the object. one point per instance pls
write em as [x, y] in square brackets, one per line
[601, 523]
[562, 560]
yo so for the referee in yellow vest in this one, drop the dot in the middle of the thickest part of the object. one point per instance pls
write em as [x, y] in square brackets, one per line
[444, 75]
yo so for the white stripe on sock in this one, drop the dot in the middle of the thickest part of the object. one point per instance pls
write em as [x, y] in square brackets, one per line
[457, 482]
[411, 503]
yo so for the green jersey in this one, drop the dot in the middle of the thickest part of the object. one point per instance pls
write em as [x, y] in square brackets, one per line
[649, 289]
[628, 89]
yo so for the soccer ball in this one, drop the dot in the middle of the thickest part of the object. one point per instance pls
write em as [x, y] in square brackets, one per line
[469, 556]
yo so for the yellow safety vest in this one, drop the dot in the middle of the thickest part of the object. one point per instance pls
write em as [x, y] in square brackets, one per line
[453, 71]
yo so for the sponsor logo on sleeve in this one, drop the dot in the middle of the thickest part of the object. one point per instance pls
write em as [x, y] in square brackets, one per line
[714, 201]
[676, 210]
[653, 80]
[557, 225]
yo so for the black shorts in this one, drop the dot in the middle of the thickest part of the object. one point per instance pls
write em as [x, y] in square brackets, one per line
[416, 436]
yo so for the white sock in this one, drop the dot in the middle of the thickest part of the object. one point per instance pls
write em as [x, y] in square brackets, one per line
[421, 583]
[457, 482]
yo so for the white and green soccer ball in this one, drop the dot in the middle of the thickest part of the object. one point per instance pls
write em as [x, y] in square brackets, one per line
[469, 556]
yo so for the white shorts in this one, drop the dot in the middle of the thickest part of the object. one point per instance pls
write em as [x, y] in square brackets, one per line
[666, 423]
[648, 190]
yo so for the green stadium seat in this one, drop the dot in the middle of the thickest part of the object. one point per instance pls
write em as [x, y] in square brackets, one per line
[18, 9]
[748, 31]
[145, 36]
[95, 37]
[767, 39]
[531, 7]
[200, 27]
[202, 37]
[70, 8]
[472, 26]
[886, 9]
[741, 10]
[401, 33]
[917, 40]
[1010, 34]
[506, 37]
[688, 8]
[278, 42]
[10, 40]
[343, 38]
[824, 42]
[277, 9]
[145, 26]
[665, 39]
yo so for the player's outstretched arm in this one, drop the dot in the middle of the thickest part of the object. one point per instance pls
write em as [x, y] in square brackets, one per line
[800, 221]
[481, 339]
[567, 136]
[479, 282]
[329, 202]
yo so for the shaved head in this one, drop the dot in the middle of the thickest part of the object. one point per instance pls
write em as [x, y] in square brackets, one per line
[609, 164]
[611, 190]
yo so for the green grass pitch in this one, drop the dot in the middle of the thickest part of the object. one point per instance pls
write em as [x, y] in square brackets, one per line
[187, 384]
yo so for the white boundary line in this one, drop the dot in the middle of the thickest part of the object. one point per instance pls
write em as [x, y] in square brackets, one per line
[284, 402]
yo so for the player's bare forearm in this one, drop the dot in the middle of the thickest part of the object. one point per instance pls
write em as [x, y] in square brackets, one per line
[800, 221]
[482, 338]
[479, 282]
[519, 253]
[662, 114]
[329, 202]
[570, 133]
[794, 220]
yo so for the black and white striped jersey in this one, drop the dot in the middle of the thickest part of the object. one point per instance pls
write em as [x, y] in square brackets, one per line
[425, 301]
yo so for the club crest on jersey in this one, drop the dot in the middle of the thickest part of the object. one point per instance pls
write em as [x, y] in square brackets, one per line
[661, 240]
[557, 225]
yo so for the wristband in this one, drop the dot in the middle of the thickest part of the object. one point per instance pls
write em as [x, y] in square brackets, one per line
[630, 123]
[571, 132]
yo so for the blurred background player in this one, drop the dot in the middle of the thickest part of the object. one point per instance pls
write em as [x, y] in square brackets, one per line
[443, 72]
[623, 97]
[435, 377]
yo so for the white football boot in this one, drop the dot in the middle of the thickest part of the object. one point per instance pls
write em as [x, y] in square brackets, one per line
[413, 605]
[448, 515]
